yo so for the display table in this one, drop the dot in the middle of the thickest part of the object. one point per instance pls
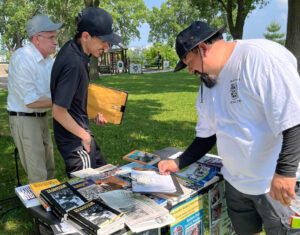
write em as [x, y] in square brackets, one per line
[43, 218]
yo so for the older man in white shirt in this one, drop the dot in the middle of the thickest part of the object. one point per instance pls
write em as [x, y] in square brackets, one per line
[29, 98]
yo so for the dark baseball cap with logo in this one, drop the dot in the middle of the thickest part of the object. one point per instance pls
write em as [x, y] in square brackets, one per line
[192, 36]
[98, 22]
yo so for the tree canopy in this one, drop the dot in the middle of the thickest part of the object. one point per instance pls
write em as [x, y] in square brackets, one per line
[235, 12]
[274, 34]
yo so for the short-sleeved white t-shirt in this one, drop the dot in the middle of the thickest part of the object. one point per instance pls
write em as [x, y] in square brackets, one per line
[257, 96]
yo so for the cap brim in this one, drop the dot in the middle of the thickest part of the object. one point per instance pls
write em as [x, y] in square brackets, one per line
[180, 65]
[112, 38]
[53, 27]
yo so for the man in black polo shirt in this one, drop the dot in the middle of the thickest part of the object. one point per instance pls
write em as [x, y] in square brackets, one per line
[69, 87]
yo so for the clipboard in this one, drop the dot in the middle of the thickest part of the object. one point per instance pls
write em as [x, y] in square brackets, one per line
[108, 101]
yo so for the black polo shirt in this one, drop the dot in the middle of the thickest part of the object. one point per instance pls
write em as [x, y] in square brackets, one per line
[69, 88]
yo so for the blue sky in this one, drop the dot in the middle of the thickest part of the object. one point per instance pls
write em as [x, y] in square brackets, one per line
[255, 24]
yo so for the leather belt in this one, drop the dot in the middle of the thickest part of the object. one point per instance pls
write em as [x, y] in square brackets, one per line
[11, 113]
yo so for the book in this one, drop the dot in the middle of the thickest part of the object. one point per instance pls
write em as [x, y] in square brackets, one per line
[66, 228]
[198, 173]
[108, 101]
[62, 198]
[97, 218]
[211, 161]
[153, 182]
[142, 157]
[88, 189]
[39, 186]
[113, 183]
[27, 196]
[75, 180]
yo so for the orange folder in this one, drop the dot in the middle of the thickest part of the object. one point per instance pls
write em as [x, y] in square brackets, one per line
[108, 101]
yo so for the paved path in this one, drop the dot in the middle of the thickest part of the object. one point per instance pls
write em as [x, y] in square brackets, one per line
[3, 81]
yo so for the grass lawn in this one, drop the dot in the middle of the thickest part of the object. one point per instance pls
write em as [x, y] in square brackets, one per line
[160, 113]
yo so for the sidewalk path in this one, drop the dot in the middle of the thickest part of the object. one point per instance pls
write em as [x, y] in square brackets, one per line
[3, 81]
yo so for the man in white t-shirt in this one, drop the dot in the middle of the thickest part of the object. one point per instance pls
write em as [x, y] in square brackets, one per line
[29, 98]
[249, 106]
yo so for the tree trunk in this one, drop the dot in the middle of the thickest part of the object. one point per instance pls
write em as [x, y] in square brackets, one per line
[93, 60]
[293, 29]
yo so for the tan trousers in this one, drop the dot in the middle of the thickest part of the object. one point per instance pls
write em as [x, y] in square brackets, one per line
[33, 140]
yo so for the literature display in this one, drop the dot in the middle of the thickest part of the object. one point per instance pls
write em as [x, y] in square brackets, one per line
[142, 157]
[97, 218]
[220, 223]
[38, 187]
[189, 217]
[62, 198]
[108, 101]
[27, 196]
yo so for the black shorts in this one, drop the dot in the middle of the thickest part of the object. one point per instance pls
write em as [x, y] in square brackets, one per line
[249, 212]
[81, 159]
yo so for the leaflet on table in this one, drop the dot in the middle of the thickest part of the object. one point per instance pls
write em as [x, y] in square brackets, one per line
[152, 181]
[136, 208]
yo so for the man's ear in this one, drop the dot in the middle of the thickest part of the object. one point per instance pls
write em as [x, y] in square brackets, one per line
[85, 36]
[203, 49]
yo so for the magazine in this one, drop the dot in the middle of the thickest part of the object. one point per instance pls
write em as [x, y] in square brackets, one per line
[113, 183]
[212, 161]
[198, 173]
[142, 157]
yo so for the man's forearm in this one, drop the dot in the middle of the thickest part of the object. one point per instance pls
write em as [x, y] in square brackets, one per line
[195, 151]
[289, 156]
[41, 103]
[62, 116]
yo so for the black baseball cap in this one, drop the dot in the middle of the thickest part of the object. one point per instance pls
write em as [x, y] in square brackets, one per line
[98, 22]
[190, 37]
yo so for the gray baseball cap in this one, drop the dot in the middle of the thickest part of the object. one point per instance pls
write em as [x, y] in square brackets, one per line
[41, 23]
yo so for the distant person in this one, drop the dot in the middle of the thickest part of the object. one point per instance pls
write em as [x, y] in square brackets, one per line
[29, 98]
[158, 60]
[69, 87]
[249, 105]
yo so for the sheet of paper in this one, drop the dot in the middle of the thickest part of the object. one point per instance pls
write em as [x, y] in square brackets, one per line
[152, 181]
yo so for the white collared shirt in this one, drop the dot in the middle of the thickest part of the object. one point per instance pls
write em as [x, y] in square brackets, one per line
[28, 79]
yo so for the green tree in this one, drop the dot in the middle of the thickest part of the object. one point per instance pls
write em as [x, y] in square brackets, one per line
[128, 16]
[293, 29]
[273, 33]
[172, 17]
[14, 15]
[167, 52]
[65, 11]
[235, 12]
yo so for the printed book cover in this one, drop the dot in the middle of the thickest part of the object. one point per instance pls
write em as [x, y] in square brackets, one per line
[97, 217]
[91, 192]
[113, 183]
[212, 161]
[142, 157]
[63, 198]
[38, 187]
[198, 173]
[27, 196]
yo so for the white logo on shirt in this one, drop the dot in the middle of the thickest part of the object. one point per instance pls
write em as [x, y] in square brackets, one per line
[234, 91]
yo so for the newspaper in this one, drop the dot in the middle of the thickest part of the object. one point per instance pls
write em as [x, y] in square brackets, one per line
[158, 222]
[136, 208]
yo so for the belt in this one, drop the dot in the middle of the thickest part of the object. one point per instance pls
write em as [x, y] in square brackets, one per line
[11, 113]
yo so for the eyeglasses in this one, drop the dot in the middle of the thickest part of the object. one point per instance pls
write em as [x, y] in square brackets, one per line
[52, 38]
